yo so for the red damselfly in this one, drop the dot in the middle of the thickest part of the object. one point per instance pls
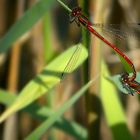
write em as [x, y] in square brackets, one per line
[131, 86]
[127, 81]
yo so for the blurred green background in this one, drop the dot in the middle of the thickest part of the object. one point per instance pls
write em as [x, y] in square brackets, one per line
[39, 99]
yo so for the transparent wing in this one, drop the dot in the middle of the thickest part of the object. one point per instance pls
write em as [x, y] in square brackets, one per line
[72, 61]
[120, 31]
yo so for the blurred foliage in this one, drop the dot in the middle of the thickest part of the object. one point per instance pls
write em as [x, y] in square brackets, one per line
[35, 33]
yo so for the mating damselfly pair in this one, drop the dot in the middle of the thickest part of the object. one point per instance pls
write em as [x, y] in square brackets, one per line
[128, 81]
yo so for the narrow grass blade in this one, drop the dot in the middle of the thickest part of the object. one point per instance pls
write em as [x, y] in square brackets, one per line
[113, 110]
[128, 68]
[42, 112]
[54, 117]
[25, 23]
[49, 52]
[48, 78]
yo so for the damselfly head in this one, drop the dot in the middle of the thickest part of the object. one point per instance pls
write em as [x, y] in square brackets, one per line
[132, 86]
[124, 77]
[76, 11]
[125, 83]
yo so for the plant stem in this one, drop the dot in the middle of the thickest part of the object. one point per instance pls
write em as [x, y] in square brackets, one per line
[65, 6]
